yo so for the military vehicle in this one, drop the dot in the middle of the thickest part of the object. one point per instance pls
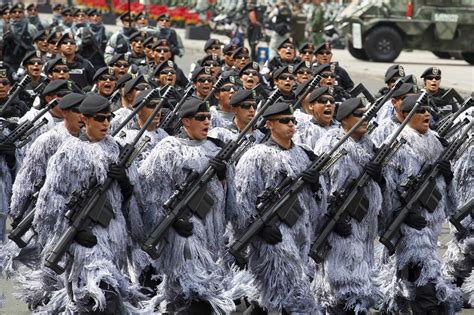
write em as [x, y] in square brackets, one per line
[379, 30]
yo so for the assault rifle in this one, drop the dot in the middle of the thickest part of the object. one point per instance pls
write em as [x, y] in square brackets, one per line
[27, 128]
[350, 200]
[191, 196]
[166, 124]
[215, 87]
[421, 191]
[278, 204]
[449, 125]
[88, 208]
[14, 92]
[460, 214]
[314, 83]
[361, 89]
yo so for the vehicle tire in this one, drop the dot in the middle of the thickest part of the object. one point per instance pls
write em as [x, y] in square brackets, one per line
[469, 57]
[442, 54]
[357, 53]
[383, 44]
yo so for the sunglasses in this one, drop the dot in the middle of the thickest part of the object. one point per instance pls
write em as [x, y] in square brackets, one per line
[16, 12]
[67, 14]
[433, 77]
[205, 79]
[167, 72]
[102, 118]
[422, 109]
[122, 65]
[228, 54]
[303, 71]
[126, 20]
[287, 46]
[41, 39]
[285, 120]
[246, 57]
[328, 75]
[325, 100]
[61, 69]
[307, 52]
[250, 72]
[137, 40]
[286, 76]
[94, 15]
[228, 88]
[164, 20]
[34, 62]
[5, 82]
[216, 47]
[358, 114]
[162, 50]
[71, 42]
[212, 64]
[149, 46]
[31, 10]
[106, 77]
[248, 105]
[142, 87]
[324, 52]
[202, 117]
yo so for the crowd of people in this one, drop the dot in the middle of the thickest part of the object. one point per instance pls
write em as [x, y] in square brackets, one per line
[131, 183]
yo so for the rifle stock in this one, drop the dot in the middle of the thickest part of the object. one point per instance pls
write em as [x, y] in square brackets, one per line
[460, 214]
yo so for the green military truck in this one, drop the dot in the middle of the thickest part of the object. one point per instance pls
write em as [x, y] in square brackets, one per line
[379, 30]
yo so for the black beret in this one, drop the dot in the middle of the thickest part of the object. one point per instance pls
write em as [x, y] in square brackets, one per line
[64, 37]
[279, 108]
[40, 35]
[4, 8]
[394, 71]
[161, 42]
[199, 70]
[288, 40]
[71, 100]
[142, 95]
[192, 106]
[300, 88]
[211, 42]
[17, 6]
[29, 55]
[66, 10]
[302, 64]
[54, 62]
[321, 68]
[229, 48]
[405, 88]
[123, 79]
[431, 71]
[31, 5]
[124, 15]
[278, 72]
[242, 95]
[322, 46]
[93, 11]
[57, 6]
[131, 84]
[149, 40]
[240, 51]
[163, 15]
[348, 107]
[161, 66]
[101, 71]
[250, 65]
[208, 58]
[229, 77]
[55, 86]
[410, 79]
[53, 37]
[118, 57]
[94, 103]
[135, 35]
[318, 92]
[76, 11]
[409, 102]
[307, 45]
[140, 15]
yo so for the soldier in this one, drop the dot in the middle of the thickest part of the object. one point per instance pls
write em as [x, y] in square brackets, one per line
[222, 115]
[163, 53]
[213, 62]
[18, 40]
[120, 85]
[213, 47]
[81, 71]
[393, 73]
[104, 81]
[227, 52]
[202, 80]
[95, 278]
[344, 281]
[280, 20]
[31, 66]
[56, 20]
[165, 75]
[416, 264]
[136, 53]
[241, 57]
[303, 71]
[17, 108]
[120, 64]
[41, 43]
[141, 21]
[286, 56]
[53, 48]
[324, 56]
[315, 23]
[33, 18]
[284, 80]
[306, 52]
[80, 20]
[328, 78]
[166, 32]
[196, 280]
[145, 67]
[322, 108]
[439, 107]
[118, 42]
[57, 69]
[279, 250]
[66, 23]
[250, 79]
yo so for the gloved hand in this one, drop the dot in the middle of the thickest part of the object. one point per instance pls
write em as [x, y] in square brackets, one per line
[183, 227]
[8, 151]
[312, 179]
[343, 229]
[445, 168]
[86, 238]
[374, 170]
[16, 221]
[219, 165]
[120, 175]
[271, 234]
[415, 220]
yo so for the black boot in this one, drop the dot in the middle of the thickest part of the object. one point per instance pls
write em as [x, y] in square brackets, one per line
[149, 285]
[425, 302]
[197, 307]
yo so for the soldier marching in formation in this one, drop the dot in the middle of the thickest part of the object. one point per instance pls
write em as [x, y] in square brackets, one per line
[134, 188]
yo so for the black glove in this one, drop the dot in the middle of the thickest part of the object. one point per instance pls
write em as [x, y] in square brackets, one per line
[8, 151]
[219, 165]
[374, 170]
[445, 168]
[271, 234]
[175, 50]
[86, 238]
[343, 229]
[120, 175]
[183, 227]
[415, 220]
[312, 179]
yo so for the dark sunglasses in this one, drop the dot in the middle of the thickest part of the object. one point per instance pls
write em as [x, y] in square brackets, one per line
[358, 114]
[122, 65]
[167, 72]
[287, 46]
[286, 120]
[212, 64]
[246, 57]
[307, 52]
[162, 50]
[65, 42]
[202, 117]
[324, 52]
[164, 20]
[286, 76]
[31, 10]
[250, 72]
[34, 62]
[228, 88]
[433, 77]
[247, 105]
[102, 118]
[215, 47]
[5, 82]
[325, 100]
[106, 77]
[61, 69]
[204, 79]
[67, 14]
[16, 12]
[228, 54]
[303, 71]
[328, 75]
[137, 40]
[422, 109]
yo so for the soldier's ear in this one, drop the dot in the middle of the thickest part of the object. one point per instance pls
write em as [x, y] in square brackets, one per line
[186, 122]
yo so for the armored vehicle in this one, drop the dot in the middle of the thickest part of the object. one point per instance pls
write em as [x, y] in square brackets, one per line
[379, 30]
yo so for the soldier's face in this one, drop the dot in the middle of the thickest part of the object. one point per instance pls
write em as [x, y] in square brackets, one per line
[34, 67]
[245, 111]
[42, 45]
[106, 85]
[215, 50]
[137, 45]
[17, 14]
[303, 74]
[397, 102]
[285, 82]
[60, 72]
[307, 55]
[241, 61]
[167, 76]
[287, 52]
[420, 121]
[32, 11]
[80, 18]
[95, 18]
[197, 126]
[224, 94]
[149, 53]
[120, 68]
[250, 78]
[282, 126]
[4, 87]
[204, 84]
[53, 48]
[68, 47]
[97, 125]
[163, 22]
[67, 18]
[432, 83]
[73, 119]
[327, 78]
[162, 53]
[146, 111]
[228, 59]
[323, 109]
[323, 57]
[141, 22]
[348, 122]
